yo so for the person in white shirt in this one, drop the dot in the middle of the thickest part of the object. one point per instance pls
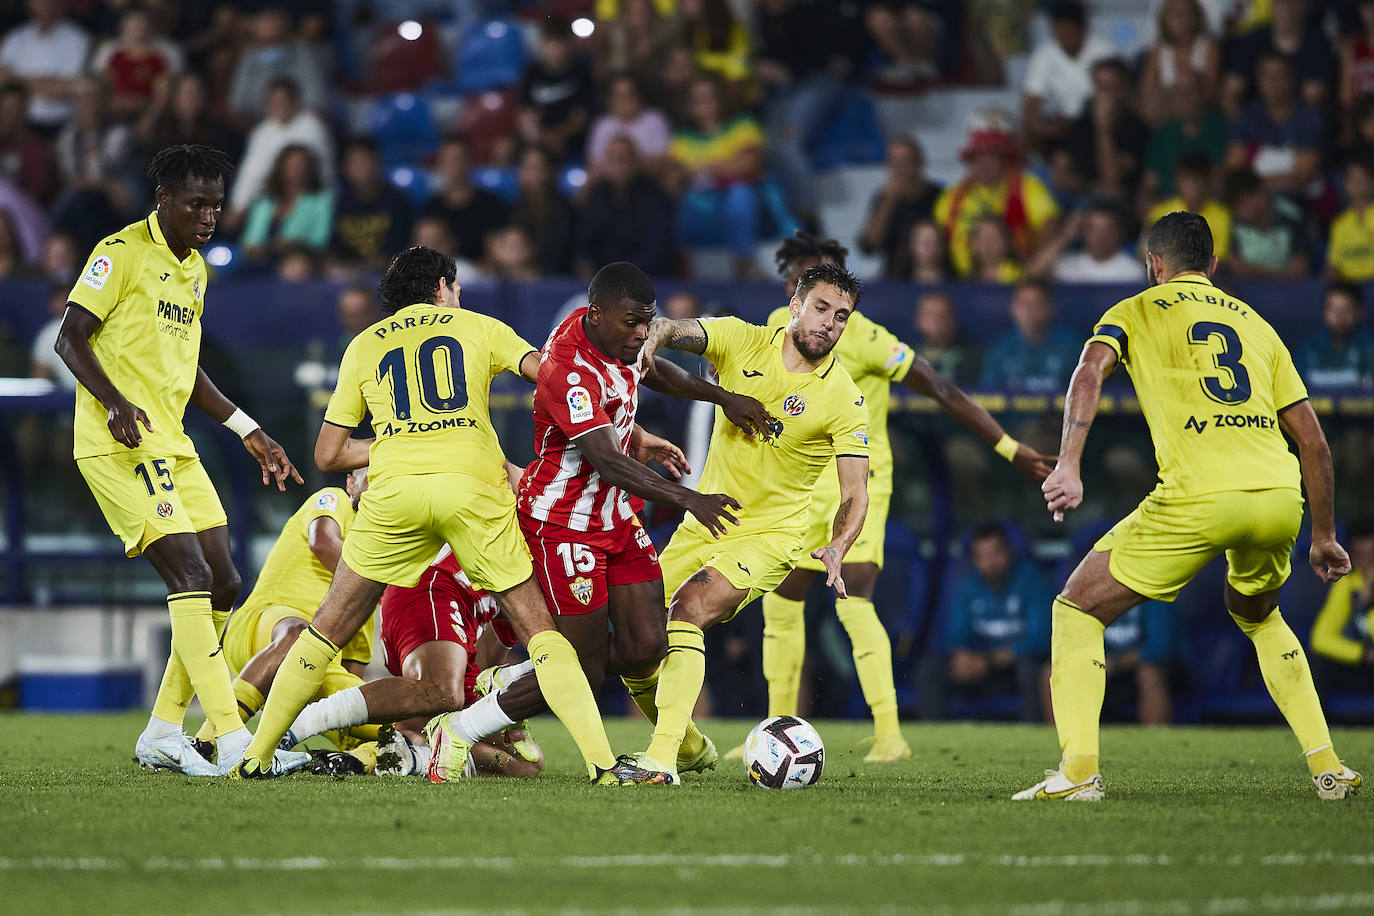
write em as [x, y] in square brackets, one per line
[286, 123]
[1059, 75]
[47, 53]
[1101, 260]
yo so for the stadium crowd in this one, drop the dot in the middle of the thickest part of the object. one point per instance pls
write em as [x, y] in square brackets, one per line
[537, 140]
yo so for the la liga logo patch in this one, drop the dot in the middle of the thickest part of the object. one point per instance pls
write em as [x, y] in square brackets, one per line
[579, 404]
[794, 405]
[99, 271]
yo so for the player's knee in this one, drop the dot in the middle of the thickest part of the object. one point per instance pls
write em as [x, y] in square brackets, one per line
[225, 588]
[192, 574]
[642, 648]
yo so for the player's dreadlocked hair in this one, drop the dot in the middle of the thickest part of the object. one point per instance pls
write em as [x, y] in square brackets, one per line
[803, 244]
[174, 166]
[414, 277]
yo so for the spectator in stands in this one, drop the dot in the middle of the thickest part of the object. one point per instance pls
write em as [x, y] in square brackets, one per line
[274, 54]
[1292, 36]
[1106, 142]
[296, 263]
[179, 112]
[286, 124]
[371, 218]
[927, 257]
[1102, 259]
[30, 222]
[638, 41]
[627, 116]
[12, 261]
[910, 34]
[1343, 634]
[558, 93]
[993, 259]
[356, 311]
[1197, 127]
[436, 232]
[937, 331]
[101, 179]
[297, 206]
[1182, 47]
[1036, 355]
[471, 212]
[62, 258]
[802, 69]
[1277, 135]
[134, 62]
[998, 632]
[1059, 75]
[549, 220]
[1357, 60]
[1194, 181]
[25, 155]
[994, 185]
[1140, 652]
[627, 217]
[43, 359]
[510, 255]
[1350, 250]
[47, 54]
[1267, 238]
[719, 164]
[719, 41]
[906, 198]
[1339, 356]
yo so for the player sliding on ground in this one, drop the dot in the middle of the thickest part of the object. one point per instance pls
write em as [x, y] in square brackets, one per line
[821, 420]
[875, 359]
[131, 336]
[424, 373]
[1216, 386]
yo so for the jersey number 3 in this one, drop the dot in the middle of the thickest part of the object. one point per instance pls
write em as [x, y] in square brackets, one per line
[1228, 360]
[439, 360]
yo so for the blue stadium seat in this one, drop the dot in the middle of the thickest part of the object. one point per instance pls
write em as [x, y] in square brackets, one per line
[491, 55]
[404, 128]
[413, 181]
[572, 179]
[499, 181]
[851, 134]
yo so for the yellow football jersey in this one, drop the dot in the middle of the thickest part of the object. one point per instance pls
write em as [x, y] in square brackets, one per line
[821, 415]
[874, 359]
[425, 374]
[1211, 376]
[149, 305]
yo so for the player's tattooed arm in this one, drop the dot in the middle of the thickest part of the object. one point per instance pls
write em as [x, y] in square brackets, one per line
[1063, 489]
[745, 412]
[676, 334]
[849, 519]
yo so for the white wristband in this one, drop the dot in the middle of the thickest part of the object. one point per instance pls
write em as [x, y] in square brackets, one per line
[241, 424]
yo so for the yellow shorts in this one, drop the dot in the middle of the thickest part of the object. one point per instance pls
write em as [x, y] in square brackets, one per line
[756, 563]
[1164, 543]
[146, 496]
[250, 631]
[868, 547]
[404, 520]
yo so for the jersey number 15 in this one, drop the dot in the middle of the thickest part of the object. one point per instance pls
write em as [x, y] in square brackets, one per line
[439, 361]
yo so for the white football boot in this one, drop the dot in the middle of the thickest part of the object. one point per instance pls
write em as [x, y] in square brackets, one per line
[1333, 785]
[174, 752]
[1057, 787]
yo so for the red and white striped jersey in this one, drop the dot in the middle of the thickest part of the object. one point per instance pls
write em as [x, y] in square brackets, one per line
[477, 609]
[579, 389]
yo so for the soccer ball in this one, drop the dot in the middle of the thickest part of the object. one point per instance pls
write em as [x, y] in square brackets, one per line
[784, 752]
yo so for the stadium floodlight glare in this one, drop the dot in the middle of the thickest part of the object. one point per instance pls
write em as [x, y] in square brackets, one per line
[219, 256]
[410, 30]
[576, 177]
[402, 177]
[583, 27]
[496, 29]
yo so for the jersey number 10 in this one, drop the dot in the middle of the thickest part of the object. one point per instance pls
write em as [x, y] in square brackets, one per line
[1228, 360]
[435, 357]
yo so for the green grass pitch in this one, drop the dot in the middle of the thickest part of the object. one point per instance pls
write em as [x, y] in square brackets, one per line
[1197, 820]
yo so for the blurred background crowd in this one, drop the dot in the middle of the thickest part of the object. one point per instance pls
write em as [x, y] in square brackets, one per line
[991, 164]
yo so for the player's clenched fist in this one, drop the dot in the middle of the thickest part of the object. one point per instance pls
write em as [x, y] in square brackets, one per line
[711, 508]
[1063, 491]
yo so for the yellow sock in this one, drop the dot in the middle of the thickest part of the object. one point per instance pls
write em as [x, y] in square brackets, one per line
[365, 733]
[569, 696]
[872, 659]
[680, 679]
[175, 693]
[1289, 679]
[221, 620]
[297, 681]
[784, 650]
[1078, 682]
[196, 645]
[250, 701]
[644, 692]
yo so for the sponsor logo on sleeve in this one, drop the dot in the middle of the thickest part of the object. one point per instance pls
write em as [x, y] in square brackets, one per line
[99, 271]
[897, 356]
[579, 405]
[862, 436]
[327, 501]
[574, 378]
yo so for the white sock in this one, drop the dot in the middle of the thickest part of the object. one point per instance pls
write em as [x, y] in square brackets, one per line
[161, 728]
[344, 709]
[512, 673]
[485, 717]
[420, 753]
[232, 745]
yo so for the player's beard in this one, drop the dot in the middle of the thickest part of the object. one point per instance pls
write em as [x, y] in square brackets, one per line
[807, 349]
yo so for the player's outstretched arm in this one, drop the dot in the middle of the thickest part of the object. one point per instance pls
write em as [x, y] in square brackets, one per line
[620, 470]
[1063, 489]
[674, 333]
[666, 377]
[923, 379]
[1328, 558]
[74, 347]
[336, 451]
[646, 447]
[849, 519]
[271, 457]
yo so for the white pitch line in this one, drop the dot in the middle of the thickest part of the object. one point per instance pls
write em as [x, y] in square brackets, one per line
[672, 860]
